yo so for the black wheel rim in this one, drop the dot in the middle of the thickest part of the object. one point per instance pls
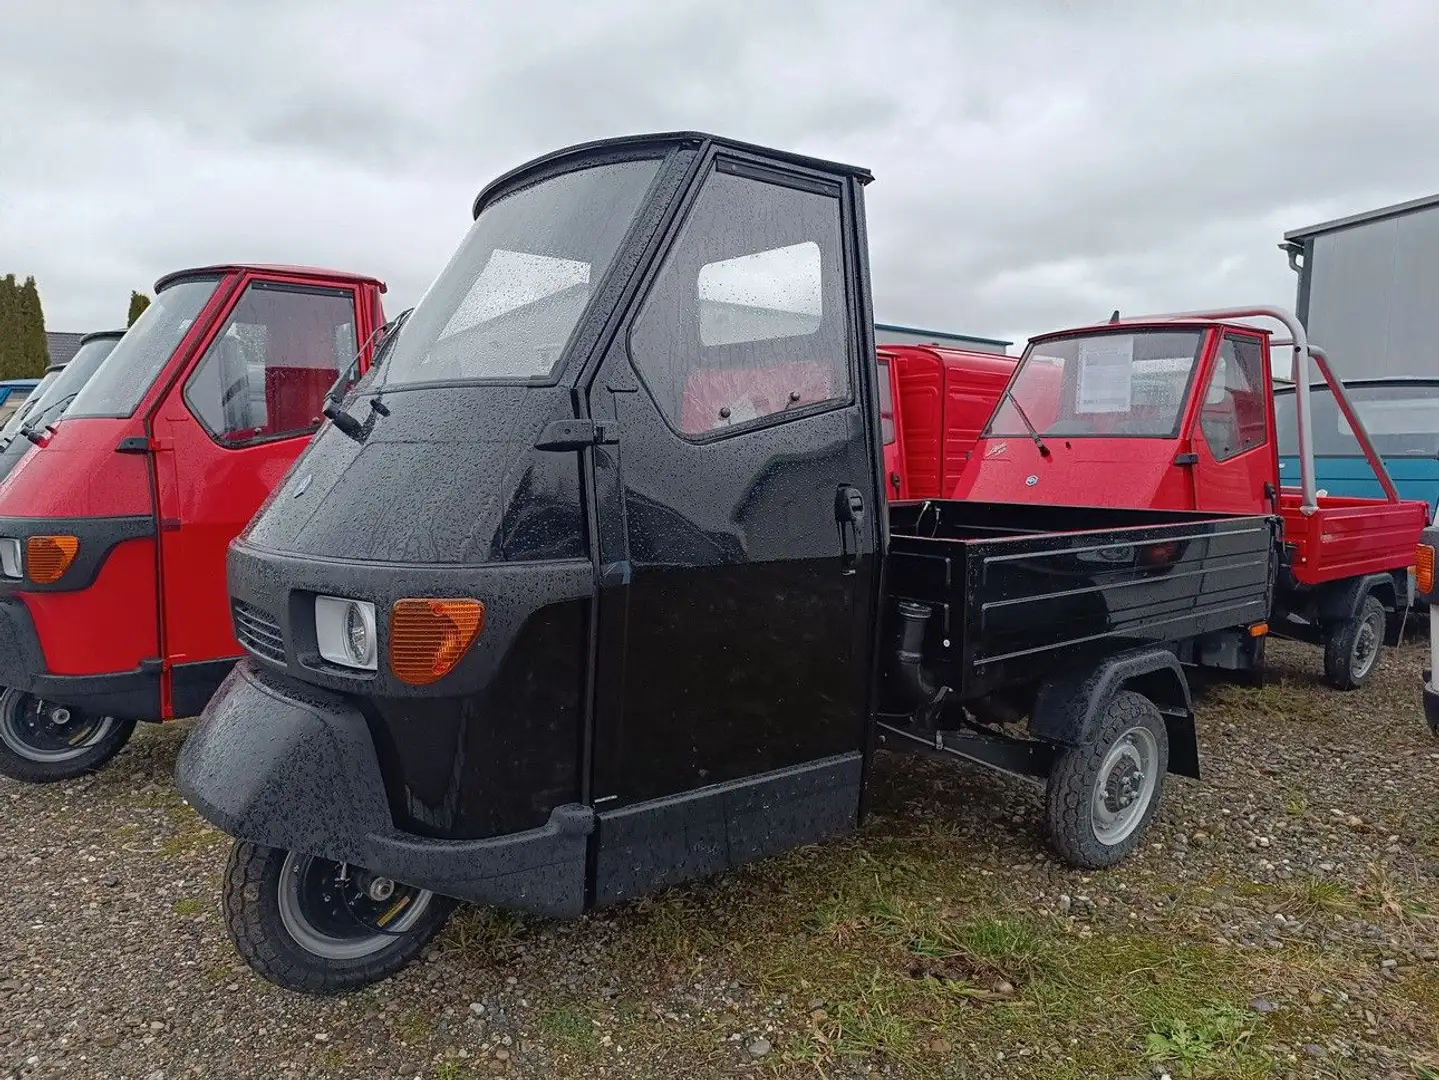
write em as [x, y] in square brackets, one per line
[41, 731]
[341, 912]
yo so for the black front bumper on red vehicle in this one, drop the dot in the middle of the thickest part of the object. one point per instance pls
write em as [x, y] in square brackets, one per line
[126, 695]
[294, 767]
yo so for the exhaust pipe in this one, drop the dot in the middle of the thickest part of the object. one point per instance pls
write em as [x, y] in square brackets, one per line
[916, 685]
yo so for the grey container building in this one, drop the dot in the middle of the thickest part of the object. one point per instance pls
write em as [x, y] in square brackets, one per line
[1369, 289]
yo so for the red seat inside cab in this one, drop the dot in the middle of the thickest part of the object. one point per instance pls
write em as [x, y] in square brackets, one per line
[749, 392]
[300, 366]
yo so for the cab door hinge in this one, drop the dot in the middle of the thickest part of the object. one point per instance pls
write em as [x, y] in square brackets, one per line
[577, 434]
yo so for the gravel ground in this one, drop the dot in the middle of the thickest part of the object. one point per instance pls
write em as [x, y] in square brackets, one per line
[1281, 923]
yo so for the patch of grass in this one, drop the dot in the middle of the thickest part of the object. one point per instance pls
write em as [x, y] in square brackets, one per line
[188, 907]
[1204, 1043]
[1296, 805]
[414, 1026]
[1315, 895]
[485, 935]
[569, 1025]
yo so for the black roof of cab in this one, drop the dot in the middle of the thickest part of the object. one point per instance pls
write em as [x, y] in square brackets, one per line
[629, 144]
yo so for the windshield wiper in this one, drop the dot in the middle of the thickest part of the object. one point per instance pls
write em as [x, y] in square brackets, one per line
[1033, 431]
[334, 399]
[34, 430]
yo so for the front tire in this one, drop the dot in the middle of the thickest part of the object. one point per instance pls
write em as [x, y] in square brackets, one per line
[1103, 795]
[1351, 651]
[320, 927]
[41, 742]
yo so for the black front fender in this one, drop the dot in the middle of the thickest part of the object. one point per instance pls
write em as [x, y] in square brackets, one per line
[292, 767]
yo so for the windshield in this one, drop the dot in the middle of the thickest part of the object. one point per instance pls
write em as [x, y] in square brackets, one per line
[1116, 385]
[140, 356]
[1402, 420]
[50, 404]
[507, 303]
[27, 407]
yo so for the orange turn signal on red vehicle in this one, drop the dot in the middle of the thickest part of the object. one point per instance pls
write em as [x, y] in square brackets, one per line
[48, 557]
[1424, 568]
[428, 636]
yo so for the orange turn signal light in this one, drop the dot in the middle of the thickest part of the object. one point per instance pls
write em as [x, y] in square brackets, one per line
[1259, 629]
[48, 557]
[1424, 568]
[428, 636]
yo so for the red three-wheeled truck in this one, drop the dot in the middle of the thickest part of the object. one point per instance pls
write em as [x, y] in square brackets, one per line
[113, 530]
[1177, 412]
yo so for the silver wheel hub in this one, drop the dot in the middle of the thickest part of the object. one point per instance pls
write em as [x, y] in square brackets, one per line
[324, 924]
[1125, 785]
[40, 731]
[1366, 645]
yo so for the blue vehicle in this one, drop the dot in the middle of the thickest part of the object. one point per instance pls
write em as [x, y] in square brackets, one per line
[1402, 416]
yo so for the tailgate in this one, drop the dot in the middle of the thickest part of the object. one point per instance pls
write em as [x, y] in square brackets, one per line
[1349, 536]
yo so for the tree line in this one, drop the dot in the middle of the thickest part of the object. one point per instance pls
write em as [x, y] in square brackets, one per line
[24, 353]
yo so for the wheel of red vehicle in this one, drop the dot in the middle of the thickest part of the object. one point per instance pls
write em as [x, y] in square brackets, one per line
[1351, 651]
[41, 742]
[322, 927]
[1103, 795]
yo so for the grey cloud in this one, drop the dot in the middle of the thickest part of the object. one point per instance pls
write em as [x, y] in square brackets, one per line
[1037, 163]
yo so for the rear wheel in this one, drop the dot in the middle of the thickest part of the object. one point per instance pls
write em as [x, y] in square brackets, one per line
[42, 742]
[1103, 795]
[322, 927]
[1351, 651]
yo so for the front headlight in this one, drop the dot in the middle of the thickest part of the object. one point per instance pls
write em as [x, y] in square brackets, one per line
[345, 631]
[10, 564]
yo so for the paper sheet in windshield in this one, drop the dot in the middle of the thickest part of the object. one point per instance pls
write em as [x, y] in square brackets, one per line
[1106, 368]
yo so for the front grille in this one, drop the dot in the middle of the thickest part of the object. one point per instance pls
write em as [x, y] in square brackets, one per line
[258, 632]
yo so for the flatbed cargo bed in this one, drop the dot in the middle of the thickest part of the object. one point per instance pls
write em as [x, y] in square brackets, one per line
[1020, 589]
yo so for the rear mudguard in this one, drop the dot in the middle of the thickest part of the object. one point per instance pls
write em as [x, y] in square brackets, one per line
[1068, 709]
[293, 767]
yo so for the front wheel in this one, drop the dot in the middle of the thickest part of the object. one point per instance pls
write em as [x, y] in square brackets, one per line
[322, 927]
[1102, 795]
[1351, 651]
[42, 742]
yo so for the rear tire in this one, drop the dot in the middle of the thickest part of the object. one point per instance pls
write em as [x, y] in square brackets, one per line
[1103, 795]
[311, 925]
[41, 743]
[1352, 648]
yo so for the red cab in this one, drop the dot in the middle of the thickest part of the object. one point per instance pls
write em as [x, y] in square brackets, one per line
[113, 531]
[934, 402]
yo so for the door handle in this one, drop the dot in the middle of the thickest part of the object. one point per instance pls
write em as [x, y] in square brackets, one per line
[849, 514]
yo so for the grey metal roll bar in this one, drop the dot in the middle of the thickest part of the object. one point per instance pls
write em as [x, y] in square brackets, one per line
[1298, 341]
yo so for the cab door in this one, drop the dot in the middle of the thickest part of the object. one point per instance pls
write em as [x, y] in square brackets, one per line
[891, 424]
[1235, 460]
[227, 431]
[738, 523]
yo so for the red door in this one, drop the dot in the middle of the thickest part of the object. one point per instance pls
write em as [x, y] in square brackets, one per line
[1233, 431]
[896, 486]
[228, 429]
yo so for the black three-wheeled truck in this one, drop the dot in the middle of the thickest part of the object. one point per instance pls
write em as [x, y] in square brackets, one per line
[600, 592]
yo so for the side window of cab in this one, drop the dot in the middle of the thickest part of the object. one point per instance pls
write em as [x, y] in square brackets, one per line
[1233, 416]
[265, 374]
[746, 323]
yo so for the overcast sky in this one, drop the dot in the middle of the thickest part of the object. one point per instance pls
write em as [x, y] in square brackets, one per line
[1037, 163]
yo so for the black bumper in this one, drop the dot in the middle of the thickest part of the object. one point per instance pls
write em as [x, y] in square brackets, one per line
[127, 695]
[294, 767]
